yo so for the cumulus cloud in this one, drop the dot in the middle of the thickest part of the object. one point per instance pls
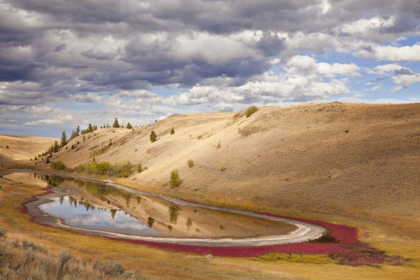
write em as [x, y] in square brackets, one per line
[402, 76]
[308, 65]
[215, 52]
[392, 53]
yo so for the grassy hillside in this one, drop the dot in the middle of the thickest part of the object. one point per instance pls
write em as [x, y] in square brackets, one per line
[23, 147]
[355, 160]
[354, 164]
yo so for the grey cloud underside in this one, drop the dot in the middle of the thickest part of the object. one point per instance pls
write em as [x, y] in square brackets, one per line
[66, 48]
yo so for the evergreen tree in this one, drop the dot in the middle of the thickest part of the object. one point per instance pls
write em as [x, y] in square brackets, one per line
[172, 131]
[73, 134]
[90, 128]
[78, 131]
[47, 161]
[129, 126]
[153, 136]
[116, 124]
[56, 147]
[175, 180]
[63, 139]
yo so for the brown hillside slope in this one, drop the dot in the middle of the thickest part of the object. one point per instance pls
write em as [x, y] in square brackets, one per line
[355, 160]
[23, 147]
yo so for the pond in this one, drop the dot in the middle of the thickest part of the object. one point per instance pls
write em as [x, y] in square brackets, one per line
[101, 208]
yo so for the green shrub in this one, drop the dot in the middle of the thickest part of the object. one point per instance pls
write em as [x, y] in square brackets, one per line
[251, 110]
[80, 168]
[103, 168]
[123, 169]
[153, 137]
[139, 168]
[91, 167]
[190, 163]
[58, 165]
[172, 131]
[174, 181]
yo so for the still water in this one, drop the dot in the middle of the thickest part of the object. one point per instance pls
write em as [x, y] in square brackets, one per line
[91, 205]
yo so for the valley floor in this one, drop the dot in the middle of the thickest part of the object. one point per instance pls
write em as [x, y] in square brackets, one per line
[162, 264]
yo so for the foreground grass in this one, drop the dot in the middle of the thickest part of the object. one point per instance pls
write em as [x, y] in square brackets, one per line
[160, 264]
[27, 260]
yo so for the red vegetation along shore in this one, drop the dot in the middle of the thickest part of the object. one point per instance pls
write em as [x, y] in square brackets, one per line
[345, 247]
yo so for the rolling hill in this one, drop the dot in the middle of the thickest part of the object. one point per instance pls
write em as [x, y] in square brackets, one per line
[356, 160]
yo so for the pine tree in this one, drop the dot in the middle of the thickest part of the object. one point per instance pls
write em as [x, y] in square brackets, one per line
[129, 126]
[78, 131]
[172, 131]
[56, 147]
[90, 128]
[153, 136]
[63, 139]
[116, 124]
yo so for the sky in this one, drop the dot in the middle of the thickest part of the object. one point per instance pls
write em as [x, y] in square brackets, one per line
[66, 63]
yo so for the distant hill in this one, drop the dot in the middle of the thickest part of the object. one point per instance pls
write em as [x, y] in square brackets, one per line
[23, 147]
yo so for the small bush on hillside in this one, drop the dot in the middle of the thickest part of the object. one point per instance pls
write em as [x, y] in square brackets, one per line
[347, 131]
[103, 168]
[223, 169]
[199, 137]
[174, 181]
[58, 165]
[237, 116]
[7, 147]
[172, 131]
[122, 169]
[218, 145]
[91, 167]
[153, 137]
[80, 168]
[139, 168]
[251, 110]
[190, 163]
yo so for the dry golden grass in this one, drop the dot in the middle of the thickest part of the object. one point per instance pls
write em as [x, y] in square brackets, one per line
[24, 147]
[160, 264]
[304, 163]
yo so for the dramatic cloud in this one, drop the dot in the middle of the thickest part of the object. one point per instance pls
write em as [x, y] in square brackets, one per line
[101, 53]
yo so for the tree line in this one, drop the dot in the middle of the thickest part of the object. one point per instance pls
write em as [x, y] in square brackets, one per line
[54, 148]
